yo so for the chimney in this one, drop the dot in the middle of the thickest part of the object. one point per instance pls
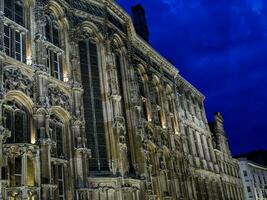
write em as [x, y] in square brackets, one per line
[140, 23]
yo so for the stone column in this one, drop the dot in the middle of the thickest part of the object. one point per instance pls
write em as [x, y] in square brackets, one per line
[24, 167]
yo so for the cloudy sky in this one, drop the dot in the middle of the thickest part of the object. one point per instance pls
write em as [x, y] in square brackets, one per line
[220, 46]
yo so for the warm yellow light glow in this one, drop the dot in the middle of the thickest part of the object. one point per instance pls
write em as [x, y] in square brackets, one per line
[149, 117]
[66, 79]
[29, 60]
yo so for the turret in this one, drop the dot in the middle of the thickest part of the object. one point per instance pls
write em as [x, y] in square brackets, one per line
[218, 133]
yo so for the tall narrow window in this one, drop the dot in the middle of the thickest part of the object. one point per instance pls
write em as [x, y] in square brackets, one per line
[16, 120]
[14, 43]
[93, 111]
[58, 179]
[13, 9]
[14, 40]
[53, 55]
[56, 127]
[15, 170]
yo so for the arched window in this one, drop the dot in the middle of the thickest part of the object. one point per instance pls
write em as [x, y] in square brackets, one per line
[54, 51]
[16, 119]
[93, 108]
[56, 131]
[14, 36]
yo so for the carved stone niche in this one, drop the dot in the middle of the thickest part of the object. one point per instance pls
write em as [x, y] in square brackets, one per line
[14, 79]
[57, 97]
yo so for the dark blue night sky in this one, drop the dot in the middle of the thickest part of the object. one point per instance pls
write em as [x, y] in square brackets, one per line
[220, 46]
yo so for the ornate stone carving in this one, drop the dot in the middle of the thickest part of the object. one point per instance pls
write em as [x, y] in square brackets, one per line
[15, 150]
[58, 98]
[14, 79]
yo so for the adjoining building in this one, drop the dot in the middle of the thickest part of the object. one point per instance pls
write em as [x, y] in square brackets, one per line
[90, 111]
[254, 175]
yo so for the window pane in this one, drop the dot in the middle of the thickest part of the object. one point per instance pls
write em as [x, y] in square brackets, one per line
[18, 46]
[7, 38]
[19, 13]
[19, 126]
[47, 31]
[95, 131]
[8, 9]
[17, 171]
[55, 36]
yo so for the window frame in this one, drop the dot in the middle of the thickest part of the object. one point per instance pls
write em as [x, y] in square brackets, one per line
[25, 123]
[53, 49]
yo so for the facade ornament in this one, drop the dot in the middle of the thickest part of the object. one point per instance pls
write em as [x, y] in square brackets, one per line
[14, 79]
[58, 98]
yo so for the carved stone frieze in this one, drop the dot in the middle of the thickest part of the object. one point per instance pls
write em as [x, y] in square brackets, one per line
[14, 79]
[59, 98]
[16, 150]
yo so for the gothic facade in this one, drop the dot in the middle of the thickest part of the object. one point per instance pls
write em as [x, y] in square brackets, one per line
[89, 111]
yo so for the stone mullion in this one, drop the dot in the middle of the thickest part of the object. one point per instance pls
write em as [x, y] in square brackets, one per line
[24, 175]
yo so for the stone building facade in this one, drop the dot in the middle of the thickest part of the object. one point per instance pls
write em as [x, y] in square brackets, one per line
[89, 111]
[254, 178]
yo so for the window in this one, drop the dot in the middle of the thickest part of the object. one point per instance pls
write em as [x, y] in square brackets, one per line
[14, 43]
[56, 127]
[15, 170]
[18, 171]
[58, 179]
[245, 173]
[14, 40]
[93, 111]
[53, 52]
[13, 9]
[53, 63]
[52, 32]
[16, 120]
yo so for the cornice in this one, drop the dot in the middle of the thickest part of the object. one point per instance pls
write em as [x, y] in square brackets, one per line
[186, 84]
